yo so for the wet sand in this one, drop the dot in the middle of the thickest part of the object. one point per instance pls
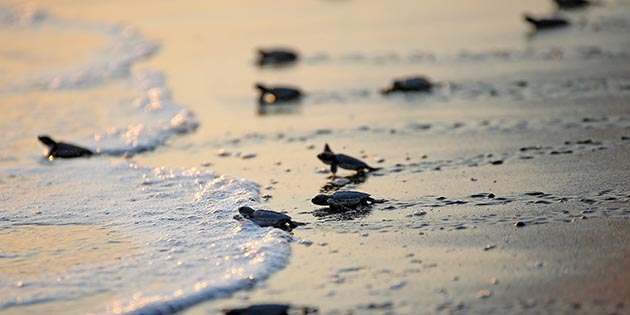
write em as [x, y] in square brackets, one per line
[547, 138]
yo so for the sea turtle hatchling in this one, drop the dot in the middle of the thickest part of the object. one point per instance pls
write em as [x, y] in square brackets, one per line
[546, 23]
[277, 94]
[276, 56]
[270, 309]
[413, 84]
[345, 200]
[266, 218]
[343, 161]
[63, 150]
[568, 4]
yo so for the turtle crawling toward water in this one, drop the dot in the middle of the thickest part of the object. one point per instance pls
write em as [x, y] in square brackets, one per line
[276, 56]
[270, 309]
[63, 150]
[266, 218]
[345, 200]
[569, 4]
[546, 23]
[413, 84]
[343, 161]
[277, 94]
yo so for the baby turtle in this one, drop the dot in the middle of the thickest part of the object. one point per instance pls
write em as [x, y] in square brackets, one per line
[270, 309]
[277, 94]
[546, 23]
[345, 200]
[569, 4]
[343, 161]
[63, 150]
[266, 218]
[276, 56]
[414, 84]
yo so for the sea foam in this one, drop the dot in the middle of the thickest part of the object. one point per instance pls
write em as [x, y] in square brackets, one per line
[190, 247]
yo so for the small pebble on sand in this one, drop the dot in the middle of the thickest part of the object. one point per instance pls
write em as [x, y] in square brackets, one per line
[378, 159]
[489, 247]
[484, 294]
[246, 156]
[223, 153]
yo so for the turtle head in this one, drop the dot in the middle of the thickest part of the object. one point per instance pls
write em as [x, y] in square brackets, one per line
[246, 211]
[46, 140]
[327, 156]
[321, 200]
[261, 87]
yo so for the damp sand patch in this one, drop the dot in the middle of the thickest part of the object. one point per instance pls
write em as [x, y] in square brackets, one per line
[35, 250]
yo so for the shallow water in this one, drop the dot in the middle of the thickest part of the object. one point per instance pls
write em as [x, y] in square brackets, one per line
[159, 95]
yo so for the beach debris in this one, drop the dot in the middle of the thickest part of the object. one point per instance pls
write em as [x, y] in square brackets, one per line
[223, 153]
[345, 200]
[343, 161]
[246, 156]
[277, 94]
[483, 195]
[546, 23]
[490, 247]
[62, 150]
[412, 84]
[519, 224]
[265, 218]
[484, 294]
[378, 159]
[277, 56]
[570, 4]
[398, 286]
[494, 280]
[270, 309]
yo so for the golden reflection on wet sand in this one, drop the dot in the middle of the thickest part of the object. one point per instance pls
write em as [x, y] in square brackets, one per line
[35, 250]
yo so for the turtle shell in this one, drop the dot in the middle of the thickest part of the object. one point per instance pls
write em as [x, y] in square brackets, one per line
[350, 198]
[350, 163]
[269, 218]
[413, 84]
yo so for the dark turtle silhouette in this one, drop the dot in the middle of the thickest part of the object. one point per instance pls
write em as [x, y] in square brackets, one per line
[343, 161]
[266, 218]
[270, 309]
[413, 84]
[277, 94]
[63, 150]
[569, 4]
[276, 56]
[546, 23]
[345, 200]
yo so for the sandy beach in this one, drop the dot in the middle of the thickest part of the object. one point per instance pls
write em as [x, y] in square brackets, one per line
[521, 127]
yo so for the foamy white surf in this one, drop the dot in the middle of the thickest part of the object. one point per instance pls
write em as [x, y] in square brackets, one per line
[145, 122]
[167, 118]
[191, 247]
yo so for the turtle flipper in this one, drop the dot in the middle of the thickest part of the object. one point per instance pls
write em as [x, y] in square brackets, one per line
[338, 206]
[372, 169]
[372, 200]
[333, 168]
